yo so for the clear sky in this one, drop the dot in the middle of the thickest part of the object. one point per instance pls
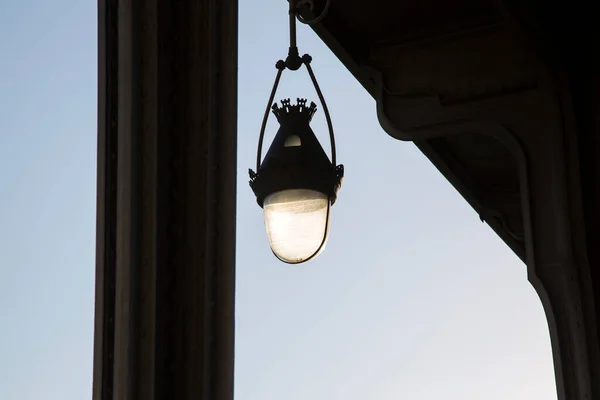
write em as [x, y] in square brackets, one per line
[413, 297]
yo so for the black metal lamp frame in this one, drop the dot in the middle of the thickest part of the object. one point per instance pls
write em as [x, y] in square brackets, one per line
[323, 177]
[297, 167]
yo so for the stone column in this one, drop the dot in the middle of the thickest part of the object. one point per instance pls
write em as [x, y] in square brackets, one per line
[167, 116]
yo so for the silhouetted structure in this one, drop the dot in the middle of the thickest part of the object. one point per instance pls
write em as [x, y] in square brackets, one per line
[502, 96]
[166, 200]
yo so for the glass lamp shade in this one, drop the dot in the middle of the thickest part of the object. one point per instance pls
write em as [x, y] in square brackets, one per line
[297, 223]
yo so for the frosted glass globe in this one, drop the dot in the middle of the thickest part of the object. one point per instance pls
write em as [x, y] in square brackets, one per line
[297, 223]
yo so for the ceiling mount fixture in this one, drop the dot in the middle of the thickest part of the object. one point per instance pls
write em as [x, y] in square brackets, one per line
[296, 184]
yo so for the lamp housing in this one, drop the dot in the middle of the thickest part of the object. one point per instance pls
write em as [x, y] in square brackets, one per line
[296, 184]
[296, 159]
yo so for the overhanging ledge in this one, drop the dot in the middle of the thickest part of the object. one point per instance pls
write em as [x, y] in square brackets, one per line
[505, 103]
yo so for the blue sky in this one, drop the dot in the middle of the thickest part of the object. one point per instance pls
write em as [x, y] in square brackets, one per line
[47, 202]
[413, 297]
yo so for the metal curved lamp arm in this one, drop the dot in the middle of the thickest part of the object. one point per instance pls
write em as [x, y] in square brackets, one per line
[280, 67]
[307, 59]
[318, 18]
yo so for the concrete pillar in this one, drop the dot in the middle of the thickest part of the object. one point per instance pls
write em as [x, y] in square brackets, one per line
[167, 120]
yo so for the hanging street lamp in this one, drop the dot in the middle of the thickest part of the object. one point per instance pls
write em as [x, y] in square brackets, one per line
[296, 183]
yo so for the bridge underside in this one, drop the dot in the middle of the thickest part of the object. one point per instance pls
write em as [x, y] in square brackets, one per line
[504, 98]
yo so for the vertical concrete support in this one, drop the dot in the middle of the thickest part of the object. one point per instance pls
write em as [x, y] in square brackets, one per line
[167, 120]
[560, 260]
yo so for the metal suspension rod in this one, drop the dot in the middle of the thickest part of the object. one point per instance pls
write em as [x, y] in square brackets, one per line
[292, 16]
